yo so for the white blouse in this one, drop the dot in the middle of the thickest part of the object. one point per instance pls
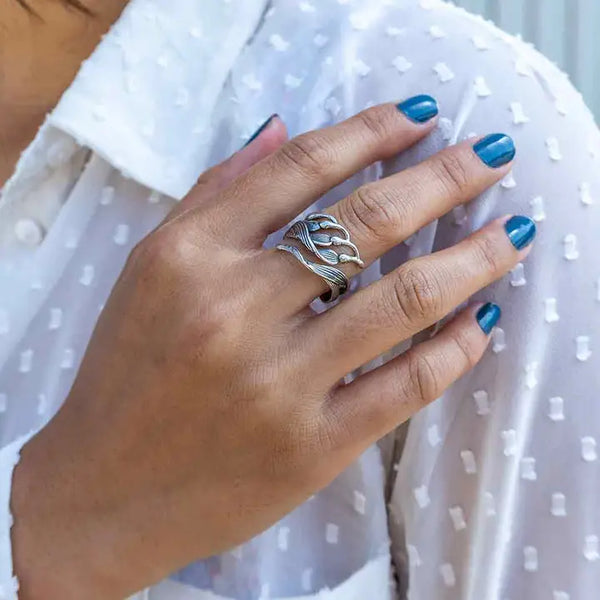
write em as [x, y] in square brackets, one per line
[492, 492]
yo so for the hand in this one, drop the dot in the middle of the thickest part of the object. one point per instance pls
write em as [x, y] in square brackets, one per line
[208, 404]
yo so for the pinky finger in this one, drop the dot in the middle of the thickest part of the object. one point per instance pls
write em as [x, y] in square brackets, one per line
[375, 403]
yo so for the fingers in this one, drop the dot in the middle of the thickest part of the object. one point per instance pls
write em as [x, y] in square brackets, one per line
[375, 403]
[413, 297]
[267, 139]
[381, 214]
[311, 164]
[385, 212]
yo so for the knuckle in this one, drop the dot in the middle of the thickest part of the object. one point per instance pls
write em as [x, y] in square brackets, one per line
[210, 175]
[149, 251]
[451, 171]
[369, 211]
[424, 380]
[163, 264]
[467, 348]
[166, 249]
[378, 122]
[138, 254]
[486, 254]
[418, 295]
[309, 154]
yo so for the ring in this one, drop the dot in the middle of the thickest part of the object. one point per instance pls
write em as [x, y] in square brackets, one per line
[329, 242]
[334, 278]
[321, 233]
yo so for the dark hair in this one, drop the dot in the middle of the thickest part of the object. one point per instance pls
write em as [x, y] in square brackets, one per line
[77, 4]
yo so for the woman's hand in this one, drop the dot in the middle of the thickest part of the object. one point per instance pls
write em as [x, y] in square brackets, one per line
[208, 404]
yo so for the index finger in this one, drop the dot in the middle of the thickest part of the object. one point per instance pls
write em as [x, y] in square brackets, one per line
[279, 187]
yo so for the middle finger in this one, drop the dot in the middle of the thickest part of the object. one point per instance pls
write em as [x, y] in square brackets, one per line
[381, 214]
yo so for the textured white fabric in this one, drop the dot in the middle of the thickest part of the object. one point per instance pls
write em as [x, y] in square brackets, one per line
[9, 458]
[370, 582]
[496, 493]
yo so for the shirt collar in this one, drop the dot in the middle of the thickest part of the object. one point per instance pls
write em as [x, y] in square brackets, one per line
[144, 99]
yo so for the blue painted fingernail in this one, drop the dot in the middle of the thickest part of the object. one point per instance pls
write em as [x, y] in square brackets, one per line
[261, 129]
[487, 317]
[419, 109]
[521, 231]
[495, 150]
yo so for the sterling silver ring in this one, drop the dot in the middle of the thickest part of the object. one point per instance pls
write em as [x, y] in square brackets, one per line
[322, 235]
[328, 241]
[334, 278]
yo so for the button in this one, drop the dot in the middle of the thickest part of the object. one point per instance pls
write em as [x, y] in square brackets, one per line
[27, 231]
[60, 152]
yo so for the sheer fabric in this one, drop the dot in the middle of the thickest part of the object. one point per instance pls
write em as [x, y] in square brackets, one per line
[495, 493]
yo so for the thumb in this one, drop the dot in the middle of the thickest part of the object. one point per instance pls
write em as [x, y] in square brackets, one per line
[269, 136]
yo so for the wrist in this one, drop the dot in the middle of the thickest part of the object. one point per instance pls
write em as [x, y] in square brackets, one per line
[55, 554]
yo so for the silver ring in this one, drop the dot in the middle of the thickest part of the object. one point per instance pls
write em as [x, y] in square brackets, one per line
[329, 242]
[334, 278]
[321, 234]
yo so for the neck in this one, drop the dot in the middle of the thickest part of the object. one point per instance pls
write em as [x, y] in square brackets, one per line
[40, 53]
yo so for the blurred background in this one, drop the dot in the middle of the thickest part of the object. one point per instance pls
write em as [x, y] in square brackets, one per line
[567, 31]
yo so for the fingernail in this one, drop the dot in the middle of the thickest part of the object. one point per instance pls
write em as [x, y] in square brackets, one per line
[419, 109]
[495, 150]
[521, 231]
[261, 129]
[487, 317]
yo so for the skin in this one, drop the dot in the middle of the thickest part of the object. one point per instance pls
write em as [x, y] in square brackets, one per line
[207, 407]
[223, 408]
[39, 57]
